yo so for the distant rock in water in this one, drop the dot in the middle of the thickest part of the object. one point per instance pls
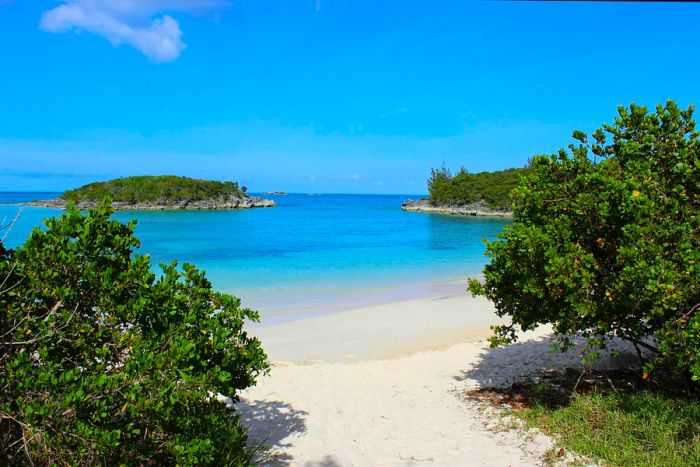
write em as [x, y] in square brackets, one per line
[159, 193]
[276, 193]
[479, 208]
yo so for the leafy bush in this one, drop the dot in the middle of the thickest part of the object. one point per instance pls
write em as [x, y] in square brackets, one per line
[493, 188]
[153, 188]
[608, 245]
[102, 362]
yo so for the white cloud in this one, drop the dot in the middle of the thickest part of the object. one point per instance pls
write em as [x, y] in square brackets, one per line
[142, 24]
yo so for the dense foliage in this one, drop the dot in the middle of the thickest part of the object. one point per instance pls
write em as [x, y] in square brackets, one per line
[492, 188]
[606, 239]
[143, 189]
[102, 362]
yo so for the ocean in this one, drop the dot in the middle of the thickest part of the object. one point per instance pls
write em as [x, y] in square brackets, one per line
[310, 254]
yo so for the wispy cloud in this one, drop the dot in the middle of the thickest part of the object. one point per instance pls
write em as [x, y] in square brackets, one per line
[143, 24]
[400, 110]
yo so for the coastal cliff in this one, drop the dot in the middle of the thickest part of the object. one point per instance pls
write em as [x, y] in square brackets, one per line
[473, 209]
[159, 193]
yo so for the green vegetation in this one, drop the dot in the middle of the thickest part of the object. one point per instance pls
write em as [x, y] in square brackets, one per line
[493, 188]
[623, 427]
[102, 362]
[625, 430]
[145, 189]
[606, 241]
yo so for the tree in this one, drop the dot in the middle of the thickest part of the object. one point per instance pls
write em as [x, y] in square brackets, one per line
[463, 188]
[437, 178]
[606, 240]
[103, 362]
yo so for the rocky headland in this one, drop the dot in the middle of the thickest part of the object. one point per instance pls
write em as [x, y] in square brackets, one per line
[159, 193]
[222, 202]
[479, 208]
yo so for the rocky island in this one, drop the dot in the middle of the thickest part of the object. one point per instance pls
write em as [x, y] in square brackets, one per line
[479, 208]
[480, 194]
[159, 193]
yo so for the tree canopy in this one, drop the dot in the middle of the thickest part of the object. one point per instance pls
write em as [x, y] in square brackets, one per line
[104, 362]
[148, 188]
[492, 188]
[606, 239]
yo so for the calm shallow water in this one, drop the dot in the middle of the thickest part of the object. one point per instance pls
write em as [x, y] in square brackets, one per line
[308, 252]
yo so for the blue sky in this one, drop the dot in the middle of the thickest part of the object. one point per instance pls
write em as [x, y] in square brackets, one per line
[321, 95]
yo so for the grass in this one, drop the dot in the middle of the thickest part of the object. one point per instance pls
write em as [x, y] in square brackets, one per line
[621, 422]
[625, 429]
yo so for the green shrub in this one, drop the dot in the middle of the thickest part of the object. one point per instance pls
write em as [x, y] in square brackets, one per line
[608, 243]
[102, 362]
[492, 188]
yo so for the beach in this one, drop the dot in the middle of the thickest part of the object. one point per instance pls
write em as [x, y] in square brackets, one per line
[437, 318]
[372, 337]
[385, 385]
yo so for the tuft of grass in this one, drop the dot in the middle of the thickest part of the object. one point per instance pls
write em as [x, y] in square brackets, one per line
[625, 429]
[623, 423]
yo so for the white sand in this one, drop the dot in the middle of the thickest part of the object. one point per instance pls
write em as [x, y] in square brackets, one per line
[383, 385]
[380, 331]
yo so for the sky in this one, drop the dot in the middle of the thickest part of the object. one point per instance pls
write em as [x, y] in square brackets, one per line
[334, 96]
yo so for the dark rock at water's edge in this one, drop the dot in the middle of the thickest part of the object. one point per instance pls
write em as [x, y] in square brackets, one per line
[474, 209]
[222, 202]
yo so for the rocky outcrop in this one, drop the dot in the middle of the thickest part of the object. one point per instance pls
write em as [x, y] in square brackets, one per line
[224, 202]
[474, 209]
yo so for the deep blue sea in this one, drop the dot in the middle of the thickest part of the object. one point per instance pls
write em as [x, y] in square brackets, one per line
[309, 250]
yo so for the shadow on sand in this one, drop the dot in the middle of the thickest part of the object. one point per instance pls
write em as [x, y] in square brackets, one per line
[504, 365]
[271, 423]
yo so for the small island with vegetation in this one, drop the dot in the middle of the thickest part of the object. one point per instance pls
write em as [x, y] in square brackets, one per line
[480, 194]
[162, 192]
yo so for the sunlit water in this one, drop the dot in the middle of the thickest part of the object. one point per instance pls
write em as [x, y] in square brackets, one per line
[308, 255]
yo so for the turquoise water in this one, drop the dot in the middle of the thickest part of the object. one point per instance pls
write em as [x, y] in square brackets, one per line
[309, 250]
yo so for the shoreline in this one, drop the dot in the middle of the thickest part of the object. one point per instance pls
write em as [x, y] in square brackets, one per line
[379, 331]
[278, 305]
[228, 203]
[478, 209]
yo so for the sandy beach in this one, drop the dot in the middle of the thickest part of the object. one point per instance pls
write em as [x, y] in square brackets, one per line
[384, 385]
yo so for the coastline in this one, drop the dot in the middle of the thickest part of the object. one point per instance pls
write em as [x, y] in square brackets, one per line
[379, 331]
[478, 209]
[224, 203]
[283, 304]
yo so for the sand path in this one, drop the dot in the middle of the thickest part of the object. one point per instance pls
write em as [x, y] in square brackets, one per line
[332, 407]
